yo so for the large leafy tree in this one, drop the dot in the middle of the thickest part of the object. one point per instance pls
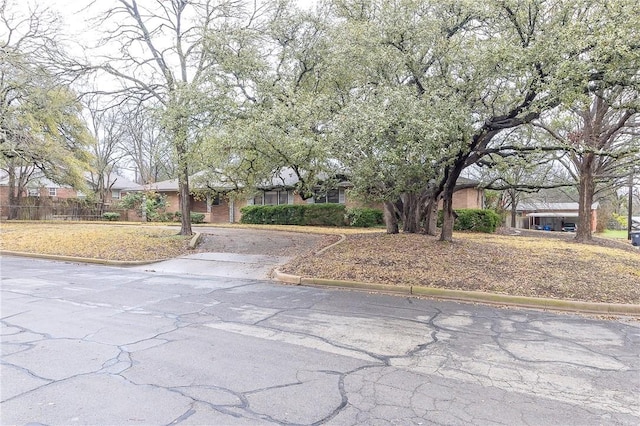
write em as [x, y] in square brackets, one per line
[284, 101]
[497, 65]
[40, 123]
[169, 52]
[401, 125]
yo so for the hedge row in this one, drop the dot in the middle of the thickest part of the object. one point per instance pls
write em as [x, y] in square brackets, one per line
[195, 217]
[295, 214]
[477, 220]
[364, 217]
[311, 215]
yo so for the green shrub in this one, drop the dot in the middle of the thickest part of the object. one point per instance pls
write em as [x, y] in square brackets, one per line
[295, 214]
[329, 214]
[177, 217]
[150, 204]
[364, 217]
[253, 214]
[196, 217]
[477, 220]
[112, 216]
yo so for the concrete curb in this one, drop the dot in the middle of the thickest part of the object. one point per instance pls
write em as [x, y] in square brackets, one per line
[340, 241]
[80, 259]
[193, 243]
[469, 296]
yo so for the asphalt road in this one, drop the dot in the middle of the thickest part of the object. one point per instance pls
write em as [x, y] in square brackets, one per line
[88, 344]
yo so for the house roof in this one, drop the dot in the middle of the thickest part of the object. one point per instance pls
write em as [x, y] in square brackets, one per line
[200, 181]
[164, 185]
[122, 183]
[466, 181]
[37, 180]
[286, 178]
[554, 214]
[544, 206]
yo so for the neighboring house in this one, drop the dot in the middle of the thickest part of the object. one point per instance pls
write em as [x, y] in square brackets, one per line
[38, 186]
[220, 209]
[118, 187]
[551, 216]
[210, 198]
[41, 189]
[469, 195]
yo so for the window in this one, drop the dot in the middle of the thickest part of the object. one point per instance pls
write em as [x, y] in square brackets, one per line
[330, 196]
[115, 194]
[33, 192]
[53, 192]
[215, 200]
[271, 198]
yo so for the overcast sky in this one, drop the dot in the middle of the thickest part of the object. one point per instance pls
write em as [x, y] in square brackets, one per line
[76, 13]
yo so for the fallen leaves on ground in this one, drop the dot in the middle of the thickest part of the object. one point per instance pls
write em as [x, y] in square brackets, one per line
[516, 265]
[109, 242]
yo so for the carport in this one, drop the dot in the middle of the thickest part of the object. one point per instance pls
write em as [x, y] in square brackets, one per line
[550, 221]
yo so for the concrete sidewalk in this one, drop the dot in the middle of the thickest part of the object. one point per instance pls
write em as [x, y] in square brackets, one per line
[228, 265]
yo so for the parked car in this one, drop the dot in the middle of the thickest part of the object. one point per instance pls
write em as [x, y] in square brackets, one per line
[569, 227]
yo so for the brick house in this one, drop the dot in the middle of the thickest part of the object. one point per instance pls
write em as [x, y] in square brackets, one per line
[41, 191]
[219, 208]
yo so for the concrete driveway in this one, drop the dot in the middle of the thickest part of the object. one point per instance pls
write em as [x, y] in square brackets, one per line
[89, 344]
[239, 253]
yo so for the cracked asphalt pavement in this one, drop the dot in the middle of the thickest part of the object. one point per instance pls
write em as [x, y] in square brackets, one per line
[89, 344]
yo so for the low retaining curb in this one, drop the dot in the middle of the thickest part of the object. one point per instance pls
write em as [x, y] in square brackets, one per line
[193, 243]
[80, 259]
[469, 296]
[340, 241]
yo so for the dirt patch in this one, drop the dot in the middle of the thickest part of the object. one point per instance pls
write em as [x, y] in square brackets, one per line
[253, 241]
[517, 265]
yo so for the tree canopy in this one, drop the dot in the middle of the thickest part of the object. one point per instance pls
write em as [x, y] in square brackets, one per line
[40, 117]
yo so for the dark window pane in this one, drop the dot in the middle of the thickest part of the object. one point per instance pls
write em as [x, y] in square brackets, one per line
[257, 200]
[270, 198]
[333, 196]
[283, 197]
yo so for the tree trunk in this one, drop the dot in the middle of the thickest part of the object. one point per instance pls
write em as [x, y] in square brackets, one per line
[411, 213]
[390, 218]
[585, 200]
[13, 199]
[447, 216]
[185, 201]
[452, 176]
[180, 135]
[431, 218]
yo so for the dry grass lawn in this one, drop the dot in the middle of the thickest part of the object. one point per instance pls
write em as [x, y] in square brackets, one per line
[110, 242]
[516, 265]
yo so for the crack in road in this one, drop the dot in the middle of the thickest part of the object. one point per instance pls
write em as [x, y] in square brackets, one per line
[248, 349]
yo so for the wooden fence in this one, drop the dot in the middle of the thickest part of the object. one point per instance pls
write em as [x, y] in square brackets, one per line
[35, 208]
